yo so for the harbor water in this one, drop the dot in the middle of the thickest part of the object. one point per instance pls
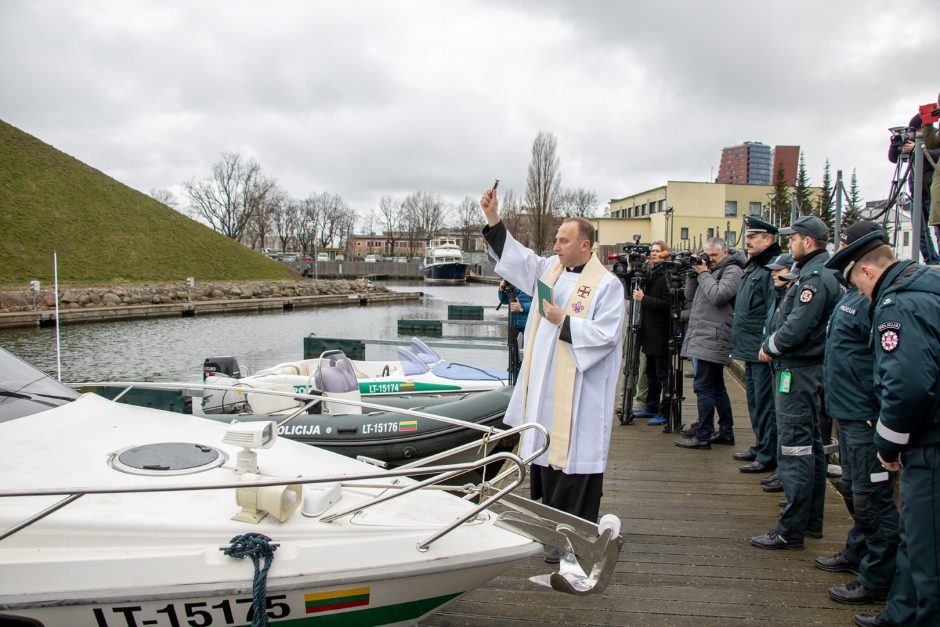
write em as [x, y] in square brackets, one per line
[173, 349]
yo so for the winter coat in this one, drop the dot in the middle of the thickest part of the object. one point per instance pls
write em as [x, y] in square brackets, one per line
[655, 314]
[755, 298]
[712, 294]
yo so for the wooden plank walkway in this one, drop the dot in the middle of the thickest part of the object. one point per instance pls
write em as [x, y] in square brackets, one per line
[687, 518]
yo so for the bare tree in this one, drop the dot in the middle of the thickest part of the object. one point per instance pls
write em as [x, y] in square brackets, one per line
[515, 222]
[467, 217]
[542, 185]
[262, 217]
[308, 223]
[391, 217]
[425, 216]
[164, 196]
[577, 203]
[330, 210]
[227, 200]
[284, 219]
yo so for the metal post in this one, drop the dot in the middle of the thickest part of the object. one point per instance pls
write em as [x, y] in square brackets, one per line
[917, 217]
[837, 223]
[793, 213]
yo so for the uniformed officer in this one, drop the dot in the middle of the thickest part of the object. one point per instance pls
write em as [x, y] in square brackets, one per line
[868, 489]
[755, 296]
[906, 337]
[796, 347]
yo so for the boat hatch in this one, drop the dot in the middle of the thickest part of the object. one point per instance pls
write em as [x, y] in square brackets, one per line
[167, 458]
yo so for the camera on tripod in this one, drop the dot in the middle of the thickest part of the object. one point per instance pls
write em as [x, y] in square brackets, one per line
[631, 260]
[900, 135]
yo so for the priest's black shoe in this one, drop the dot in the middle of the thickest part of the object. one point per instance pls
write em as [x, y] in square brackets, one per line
[867, 620]
[717, 438]
[744, 456]
[755, 467]
[773, 540]
[693, 443]
[854, 593]
[835, 564]
[773, 486]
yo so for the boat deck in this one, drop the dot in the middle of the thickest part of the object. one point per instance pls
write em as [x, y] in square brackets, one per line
[687, 517]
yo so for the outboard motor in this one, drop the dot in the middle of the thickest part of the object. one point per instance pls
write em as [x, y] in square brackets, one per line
[226, 366]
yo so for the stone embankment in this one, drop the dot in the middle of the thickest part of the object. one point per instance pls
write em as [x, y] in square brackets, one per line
[76, 298]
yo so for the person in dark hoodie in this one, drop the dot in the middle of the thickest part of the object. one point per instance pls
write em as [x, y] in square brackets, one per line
[711, 288]
[654, 330]
[905, 314]
[755, 296]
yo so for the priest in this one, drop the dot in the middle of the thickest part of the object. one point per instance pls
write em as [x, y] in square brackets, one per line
[572, 359]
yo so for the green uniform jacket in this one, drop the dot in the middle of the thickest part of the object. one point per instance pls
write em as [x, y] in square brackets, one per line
[906, 337]
[850, 362]
[800, 338]
[756, 295]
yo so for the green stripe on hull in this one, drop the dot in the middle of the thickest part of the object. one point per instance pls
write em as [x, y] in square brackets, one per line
[383, 615]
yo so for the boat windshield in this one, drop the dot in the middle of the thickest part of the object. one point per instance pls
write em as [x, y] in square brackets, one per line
[25, 390]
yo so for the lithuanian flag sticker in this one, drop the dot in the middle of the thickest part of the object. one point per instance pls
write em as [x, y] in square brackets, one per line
[336, 600]
[408, 425]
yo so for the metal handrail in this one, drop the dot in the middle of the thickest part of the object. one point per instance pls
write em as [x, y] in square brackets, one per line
[442, 473]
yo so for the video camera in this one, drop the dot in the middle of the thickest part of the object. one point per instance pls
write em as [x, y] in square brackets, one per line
[685, 259]
[631, 260]
[900, 135]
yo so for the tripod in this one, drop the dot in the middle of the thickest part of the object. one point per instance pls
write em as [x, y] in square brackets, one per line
[512, 341]
[631, 353]
[671, 408]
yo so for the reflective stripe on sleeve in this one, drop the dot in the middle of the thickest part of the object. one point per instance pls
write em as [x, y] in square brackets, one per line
[771, 345]
[879, 477]
[796, 451]
[890, 435]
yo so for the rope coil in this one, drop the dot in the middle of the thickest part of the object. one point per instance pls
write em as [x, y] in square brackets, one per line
[255, 546]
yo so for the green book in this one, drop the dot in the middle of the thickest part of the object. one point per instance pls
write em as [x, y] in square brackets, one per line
[545, 293]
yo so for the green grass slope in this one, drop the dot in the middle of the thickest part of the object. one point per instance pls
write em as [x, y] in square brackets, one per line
[103, 231]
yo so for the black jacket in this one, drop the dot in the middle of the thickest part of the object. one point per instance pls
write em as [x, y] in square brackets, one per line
[655, 316]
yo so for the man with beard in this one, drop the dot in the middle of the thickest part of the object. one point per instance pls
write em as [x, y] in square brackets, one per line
[755, 297]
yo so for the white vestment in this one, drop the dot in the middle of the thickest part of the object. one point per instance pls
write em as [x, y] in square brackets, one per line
[597, 346]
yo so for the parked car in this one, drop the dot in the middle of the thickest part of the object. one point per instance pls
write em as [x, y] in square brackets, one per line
[369, 259]
[323, 256]
[401, 259]
[339, 257]
[291, 257]
[308, 259]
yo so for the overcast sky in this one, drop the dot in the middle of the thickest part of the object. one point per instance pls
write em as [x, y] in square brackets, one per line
[363, 99]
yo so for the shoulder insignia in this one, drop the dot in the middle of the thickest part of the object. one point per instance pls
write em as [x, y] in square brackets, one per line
[890, 340]
[806, 295]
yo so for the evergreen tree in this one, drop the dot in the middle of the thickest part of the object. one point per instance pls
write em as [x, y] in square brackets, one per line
[780, 207]
[853, 213]
[804, 197]
[823, 209]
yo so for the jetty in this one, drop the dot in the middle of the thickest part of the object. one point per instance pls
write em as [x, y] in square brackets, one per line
[687, 516]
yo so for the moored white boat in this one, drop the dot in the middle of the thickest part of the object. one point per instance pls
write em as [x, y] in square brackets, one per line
[116, 515]
[444, 264]
[418, 370]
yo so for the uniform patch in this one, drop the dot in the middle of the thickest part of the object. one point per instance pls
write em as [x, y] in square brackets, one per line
[806, 295]
[890, 335]
[847, 309]
[890, 340]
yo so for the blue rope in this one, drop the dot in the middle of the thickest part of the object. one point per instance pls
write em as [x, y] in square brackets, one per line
[255, 546]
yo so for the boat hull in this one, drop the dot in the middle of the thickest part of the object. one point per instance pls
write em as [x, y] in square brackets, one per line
[379, 601]
[446, 273]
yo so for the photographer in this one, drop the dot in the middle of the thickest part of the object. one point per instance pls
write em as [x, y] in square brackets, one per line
[897, 150]
[518, 301]
[711, 288]
[654, 330]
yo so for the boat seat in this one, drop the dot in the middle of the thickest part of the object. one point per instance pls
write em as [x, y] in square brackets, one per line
[336, 375]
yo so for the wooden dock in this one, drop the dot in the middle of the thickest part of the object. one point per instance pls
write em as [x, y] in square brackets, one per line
[687, 516]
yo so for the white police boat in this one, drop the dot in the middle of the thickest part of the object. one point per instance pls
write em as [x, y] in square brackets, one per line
[113, 515]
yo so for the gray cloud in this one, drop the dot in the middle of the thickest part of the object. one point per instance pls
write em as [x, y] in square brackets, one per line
[372, 98]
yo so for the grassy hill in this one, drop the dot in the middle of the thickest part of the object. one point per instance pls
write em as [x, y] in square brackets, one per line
[102, 230]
